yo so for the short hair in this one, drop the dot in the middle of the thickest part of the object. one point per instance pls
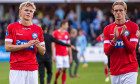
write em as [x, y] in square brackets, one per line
[27, 4]
[120, 3]
[63, 22]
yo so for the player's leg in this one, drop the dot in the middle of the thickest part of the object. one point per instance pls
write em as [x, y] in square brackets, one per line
[106, 73]
[41, 71]
[32, 77]
[65, 65]
[115, 79]
[70, 69]
[64, 75]
[106, 68]
[49, 71]
[17, 77]
[76, 65]
[59, 65]
[57, 75]
[129, 78]
[84, 59]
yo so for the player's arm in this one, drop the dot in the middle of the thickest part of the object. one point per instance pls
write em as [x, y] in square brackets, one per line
[53, 55]
[40, 44]
[100, 37]
[59, 42]
[70, 54]
[9, 47]
[108, 46]
[40, 47]
[131, 45]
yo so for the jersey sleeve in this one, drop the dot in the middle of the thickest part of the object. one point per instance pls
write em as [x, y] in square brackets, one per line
[68, 38]
[130, 46]
[9, 34]
[108, 46]
[99, 38]
[41, 38]
[54, 34]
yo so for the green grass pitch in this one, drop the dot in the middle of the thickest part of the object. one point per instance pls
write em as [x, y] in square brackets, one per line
[93, 74]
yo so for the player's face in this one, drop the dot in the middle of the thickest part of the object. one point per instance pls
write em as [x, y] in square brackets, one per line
[119, 12]
[26, 13]
[66, 25]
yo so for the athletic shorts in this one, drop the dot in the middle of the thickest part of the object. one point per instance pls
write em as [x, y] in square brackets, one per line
[23, 77]
[128, 78]
[62, 61]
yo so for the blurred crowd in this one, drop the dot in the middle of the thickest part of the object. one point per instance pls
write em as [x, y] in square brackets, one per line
[93, 20]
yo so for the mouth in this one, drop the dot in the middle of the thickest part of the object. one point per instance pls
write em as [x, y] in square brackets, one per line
[28, 16]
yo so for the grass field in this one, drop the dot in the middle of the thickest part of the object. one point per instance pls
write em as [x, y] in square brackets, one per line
[94, 74]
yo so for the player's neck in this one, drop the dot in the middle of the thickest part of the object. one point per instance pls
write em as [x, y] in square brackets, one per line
[120, 22]
[62, 30]
[25, 23]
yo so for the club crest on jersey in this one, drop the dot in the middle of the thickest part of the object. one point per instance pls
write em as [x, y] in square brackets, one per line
[34, 35]
[66, 37]
[126, 33]
[137, 33]
[7, 33]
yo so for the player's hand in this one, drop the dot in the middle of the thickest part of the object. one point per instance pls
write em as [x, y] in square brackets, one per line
[116, 33]
[30, 43]
[37, 43]
[101, 35]
[71, 59]
[139, 49]
[53, 58]
[73, 47]
[123, 30]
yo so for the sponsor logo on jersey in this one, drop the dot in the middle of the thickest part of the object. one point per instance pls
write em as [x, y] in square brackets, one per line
[34, 35]
[126, 33]
[26, 28]
[7, 33]
[21, 42]
[137, 33]
[119, 43]
[66, 37]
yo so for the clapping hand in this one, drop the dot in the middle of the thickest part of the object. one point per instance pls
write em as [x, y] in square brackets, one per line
[123, 30]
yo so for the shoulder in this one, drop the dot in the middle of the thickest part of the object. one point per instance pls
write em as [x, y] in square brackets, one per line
[109, 28]
[12, 25]
[38, 27]
[67, 32]
[133, 24]
[54, 32]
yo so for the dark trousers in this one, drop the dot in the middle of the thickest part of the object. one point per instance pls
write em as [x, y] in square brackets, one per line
[42, 66]
[76, 65]
[138, 59]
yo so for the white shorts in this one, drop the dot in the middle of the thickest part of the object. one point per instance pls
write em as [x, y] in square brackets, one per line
[105, 59]
[23, 77]
[62, 61]
[128, 78]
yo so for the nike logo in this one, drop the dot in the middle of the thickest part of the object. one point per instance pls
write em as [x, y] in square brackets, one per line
[18, 34]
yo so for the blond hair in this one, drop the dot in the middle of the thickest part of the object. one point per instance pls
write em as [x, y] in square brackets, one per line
[120, 3]
[27, 4]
